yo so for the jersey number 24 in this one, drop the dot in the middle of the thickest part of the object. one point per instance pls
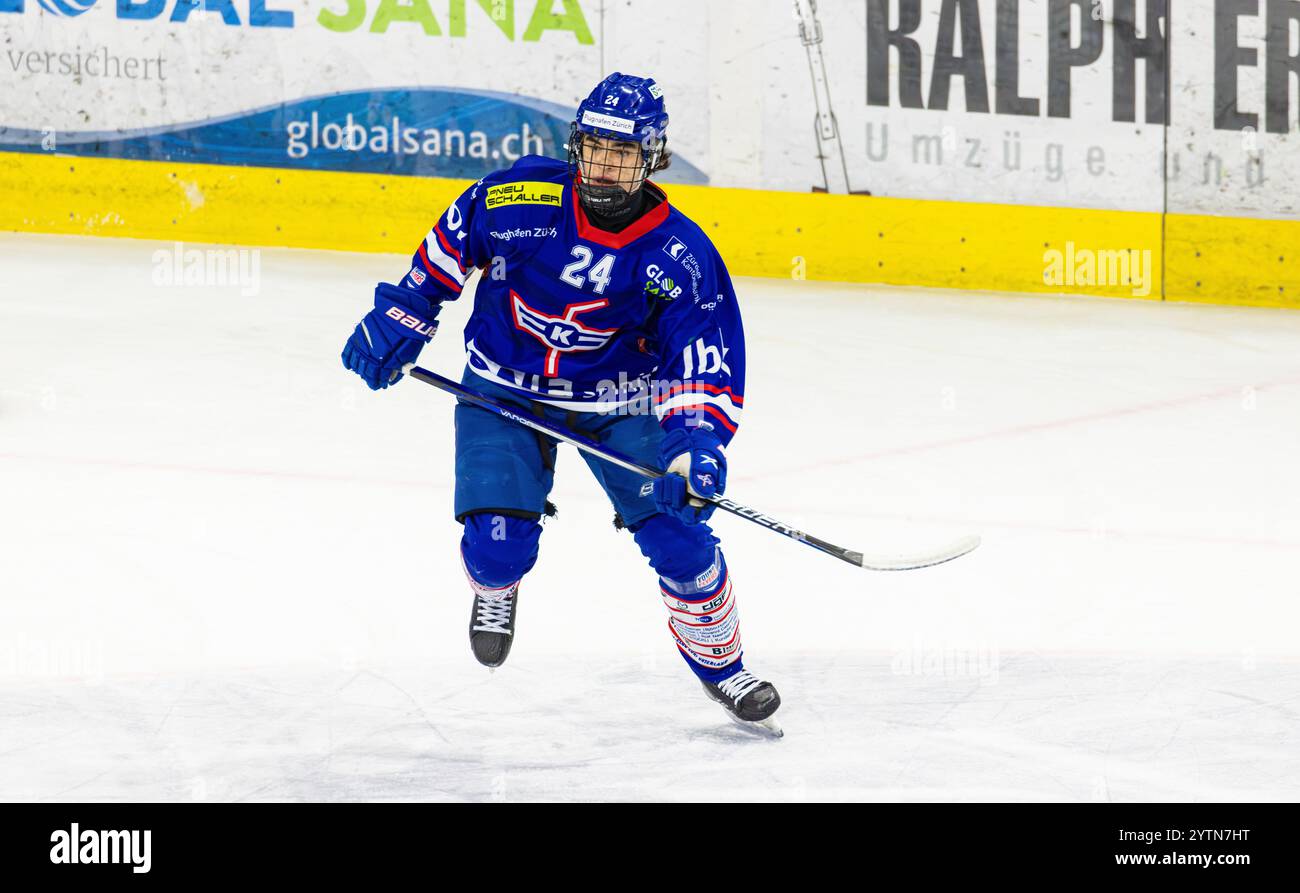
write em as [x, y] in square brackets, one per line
[598, 274]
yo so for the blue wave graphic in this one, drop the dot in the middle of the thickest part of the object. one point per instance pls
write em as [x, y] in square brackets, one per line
[431, 132]
[68, 8]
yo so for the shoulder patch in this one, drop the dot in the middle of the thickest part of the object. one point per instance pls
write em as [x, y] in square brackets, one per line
[528, 192]
[686, 261]
[675, 248]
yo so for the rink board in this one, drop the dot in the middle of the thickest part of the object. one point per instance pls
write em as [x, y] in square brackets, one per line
[849, 238]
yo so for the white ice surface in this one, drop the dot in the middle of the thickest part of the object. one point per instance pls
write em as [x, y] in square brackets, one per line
[228, 570]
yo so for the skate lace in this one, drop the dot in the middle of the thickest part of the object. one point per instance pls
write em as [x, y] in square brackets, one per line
[493, 615]
[739, 685]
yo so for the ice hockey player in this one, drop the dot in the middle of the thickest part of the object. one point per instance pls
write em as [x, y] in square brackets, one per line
[601, 308]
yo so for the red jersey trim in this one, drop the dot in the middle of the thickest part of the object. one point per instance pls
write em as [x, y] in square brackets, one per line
[447, 247]
[701, 386]
[644, 224]
[436, 273]
[706, 408]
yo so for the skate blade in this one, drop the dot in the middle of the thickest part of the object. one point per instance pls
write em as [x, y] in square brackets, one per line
[764, 728]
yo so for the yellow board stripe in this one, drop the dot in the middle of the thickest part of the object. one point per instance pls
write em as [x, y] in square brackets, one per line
[907, 241]
[846, 238]
[1233, 260]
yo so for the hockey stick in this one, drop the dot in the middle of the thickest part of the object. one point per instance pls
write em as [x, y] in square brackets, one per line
[873, 562]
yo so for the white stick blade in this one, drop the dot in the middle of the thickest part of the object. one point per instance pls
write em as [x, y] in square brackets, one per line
[912, 562]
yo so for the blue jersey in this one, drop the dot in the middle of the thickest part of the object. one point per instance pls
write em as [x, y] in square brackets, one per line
[584, 319]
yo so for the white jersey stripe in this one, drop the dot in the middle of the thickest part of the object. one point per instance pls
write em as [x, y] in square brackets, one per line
[441, 259]
[697, 398]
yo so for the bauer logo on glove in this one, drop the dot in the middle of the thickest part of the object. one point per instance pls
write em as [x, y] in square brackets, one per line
[391, 335]
[411, 321]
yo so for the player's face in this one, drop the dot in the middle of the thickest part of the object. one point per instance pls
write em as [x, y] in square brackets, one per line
[607, 162]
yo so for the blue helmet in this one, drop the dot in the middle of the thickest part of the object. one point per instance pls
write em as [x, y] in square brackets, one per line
[627, 109]
[623, 107]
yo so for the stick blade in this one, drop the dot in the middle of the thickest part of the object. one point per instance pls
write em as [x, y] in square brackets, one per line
[915, 561]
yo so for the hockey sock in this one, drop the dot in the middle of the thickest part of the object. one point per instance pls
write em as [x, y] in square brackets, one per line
[704, 620]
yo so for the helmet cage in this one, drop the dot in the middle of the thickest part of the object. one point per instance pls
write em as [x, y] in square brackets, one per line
[613, 197]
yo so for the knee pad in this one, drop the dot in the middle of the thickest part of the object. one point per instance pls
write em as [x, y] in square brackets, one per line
[498, 549]
[677, 551]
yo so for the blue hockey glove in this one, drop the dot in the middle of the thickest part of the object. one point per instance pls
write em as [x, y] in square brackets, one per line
[696, 467]
[391, 335]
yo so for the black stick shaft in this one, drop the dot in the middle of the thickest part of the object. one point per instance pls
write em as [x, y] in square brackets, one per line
[469, 395]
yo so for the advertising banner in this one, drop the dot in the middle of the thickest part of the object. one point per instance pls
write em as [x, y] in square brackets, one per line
[1134, 147]
[1045, 102]
[450, 88]
[1137, 105]
[1234, 148]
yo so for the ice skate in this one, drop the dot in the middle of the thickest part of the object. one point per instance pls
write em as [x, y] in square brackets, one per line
[749, 701]
[492, 627]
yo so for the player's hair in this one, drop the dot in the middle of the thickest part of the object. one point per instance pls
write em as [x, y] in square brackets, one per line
[665, 159]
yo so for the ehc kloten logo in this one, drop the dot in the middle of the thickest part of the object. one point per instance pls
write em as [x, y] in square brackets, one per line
[67, 8]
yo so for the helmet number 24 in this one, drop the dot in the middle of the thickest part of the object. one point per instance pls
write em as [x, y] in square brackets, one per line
[598, 274]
